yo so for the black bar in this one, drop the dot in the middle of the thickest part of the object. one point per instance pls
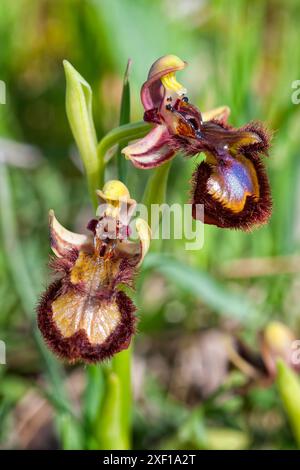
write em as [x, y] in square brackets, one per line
[134, 459]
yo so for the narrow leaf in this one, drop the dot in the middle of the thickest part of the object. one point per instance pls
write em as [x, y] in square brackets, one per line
[201, 285]
[124, 119]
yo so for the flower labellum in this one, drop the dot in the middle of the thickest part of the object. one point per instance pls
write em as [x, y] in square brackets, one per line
[84, 315]
[231, 183]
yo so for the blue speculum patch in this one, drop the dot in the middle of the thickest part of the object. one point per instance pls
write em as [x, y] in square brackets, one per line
[238, 178]
[231, 182]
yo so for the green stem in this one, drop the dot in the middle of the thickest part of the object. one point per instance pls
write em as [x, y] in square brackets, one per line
[113, 426]
[121, 363]
[121, 366]
[109, 432]
[112, 423]
[156, 189]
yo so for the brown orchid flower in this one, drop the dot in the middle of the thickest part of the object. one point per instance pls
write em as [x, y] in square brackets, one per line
[84, 315]
[231, 183]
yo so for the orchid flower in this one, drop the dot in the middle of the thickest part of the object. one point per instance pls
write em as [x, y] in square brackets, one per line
[231, 183]
[84, 315]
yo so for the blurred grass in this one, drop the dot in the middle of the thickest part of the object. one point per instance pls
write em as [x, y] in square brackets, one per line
[243, 54]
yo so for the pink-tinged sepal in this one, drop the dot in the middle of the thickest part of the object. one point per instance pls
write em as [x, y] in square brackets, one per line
[152, 150]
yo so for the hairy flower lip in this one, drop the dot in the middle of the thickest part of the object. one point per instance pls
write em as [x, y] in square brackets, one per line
[84, 315]
[256, 210]
[78, 347]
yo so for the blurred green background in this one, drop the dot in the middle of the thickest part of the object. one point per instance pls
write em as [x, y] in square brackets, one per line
[244, 54]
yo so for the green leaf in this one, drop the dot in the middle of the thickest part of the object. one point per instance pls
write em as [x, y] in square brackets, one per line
[23, 279]
[194, 433]
[79, 112]
[121, 365]
[201, 285]
[124, 119]
[14, 387]
[289, 390]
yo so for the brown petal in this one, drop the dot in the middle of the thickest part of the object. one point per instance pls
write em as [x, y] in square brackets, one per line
[90, 334]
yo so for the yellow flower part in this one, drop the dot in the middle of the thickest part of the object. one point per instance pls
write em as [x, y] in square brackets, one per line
[165, 64]
[165, 68]
[116, 195]
[114, 190]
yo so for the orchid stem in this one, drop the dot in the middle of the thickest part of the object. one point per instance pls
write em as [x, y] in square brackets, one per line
[121, 363]
[122, 165]
[117, 404]
[112, 421]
